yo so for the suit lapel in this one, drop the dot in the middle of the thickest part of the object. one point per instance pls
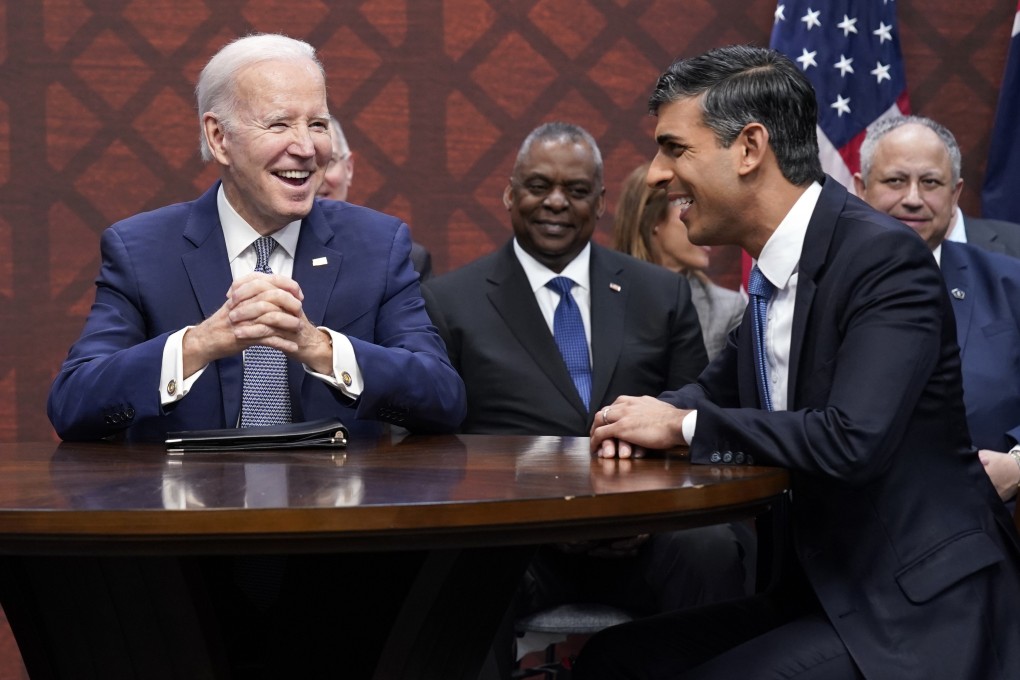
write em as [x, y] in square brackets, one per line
[514, 301]
[608, 311]
[316, 269]
[208, 271]
[961, 290]
[816, 244]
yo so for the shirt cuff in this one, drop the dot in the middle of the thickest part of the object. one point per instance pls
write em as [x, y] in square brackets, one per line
[173, 386]
[687, 427]
[346, 372]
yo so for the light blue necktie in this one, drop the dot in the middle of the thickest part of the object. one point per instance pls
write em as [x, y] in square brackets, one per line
[265, 395]
[760, 290]
[568, 330]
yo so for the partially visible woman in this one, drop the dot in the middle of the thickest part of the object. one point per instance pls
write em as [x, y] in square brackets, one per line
[650, 229]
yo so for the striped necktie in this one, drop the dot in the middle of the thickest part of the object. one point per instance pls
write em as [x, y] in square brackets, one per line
[760, 290]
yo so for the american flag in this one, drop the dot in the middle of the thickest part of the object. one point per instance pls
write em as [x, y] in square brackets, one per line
[1000, 197]
[850, 51]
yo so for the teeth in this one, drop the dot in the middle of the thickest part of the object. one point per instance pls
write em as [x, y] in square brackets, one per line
[294, 174]
[681, 202]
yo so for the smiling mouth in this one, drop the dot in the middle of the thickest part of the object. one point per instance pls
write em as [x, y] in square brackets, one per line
[683, 203]
[295, 178]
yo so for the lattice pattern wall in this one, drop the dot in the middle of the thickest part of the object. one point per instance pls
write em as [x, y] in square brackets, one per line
[97, 119]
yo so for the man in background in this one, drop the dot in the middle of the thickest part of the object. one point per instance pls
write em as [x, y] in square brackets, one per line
[336, 181]
[910, 169]
[506, 322]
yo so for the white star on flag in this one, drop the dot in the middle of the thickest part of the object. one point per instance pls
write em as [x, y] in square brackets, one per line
[811, 18]
[779, 13]
[844, 65]
[807, 59]
[883, 32]
[841, 105]
[847, 25]
[881, 72]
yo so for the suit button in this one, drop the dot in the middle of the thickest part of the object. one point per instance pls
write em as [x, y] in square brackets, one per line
[715, 457]
[727, 457]
[750, 459]
[130, 413]
[739, 458]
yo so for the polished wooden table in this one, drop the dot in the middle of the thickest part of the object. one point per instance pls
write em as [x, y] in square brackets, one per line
[457, 496]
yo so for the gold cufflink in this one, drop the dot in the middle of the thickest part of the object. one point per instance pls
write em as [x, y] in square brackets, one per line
[171, 387]
[346, 377]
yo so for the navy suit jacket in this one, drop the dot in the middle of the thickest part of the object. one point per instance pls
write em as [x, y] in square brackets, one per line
[644, 328]
[897, 529]
[985, 290]
[167, 269]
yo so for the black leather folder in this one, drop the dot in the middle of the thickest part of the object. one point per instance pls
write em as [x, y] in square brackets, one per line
[329, 433]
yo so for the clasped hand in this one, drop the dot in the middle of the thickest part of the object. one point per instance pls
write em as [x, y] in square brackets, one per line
[631, 425]
[261, 309]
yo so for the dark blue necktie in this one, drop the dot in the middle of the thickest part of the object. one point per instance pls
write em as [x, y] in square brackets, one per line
[569, 332]
[760, 290]
[265, 398]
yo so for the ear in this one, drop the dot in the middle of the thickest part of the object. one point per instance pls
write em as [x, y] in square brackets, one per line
[215, 137]
[753, 144]
[600, 203]
[350, 167]
[859, 185]
[507, 195]
[956, 193]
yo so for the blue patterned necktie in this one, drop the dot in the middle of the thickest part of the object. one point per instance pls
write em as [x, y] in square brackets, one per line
[569, 332]
[760, 290]
[265, 395]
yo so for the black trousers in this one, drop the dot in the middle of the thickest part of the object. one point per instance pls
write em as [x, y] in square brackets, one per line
[780, 635]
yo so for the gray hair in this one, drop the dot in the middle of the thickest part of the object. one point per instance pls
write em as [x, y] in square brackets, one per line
[338, 134]
[883, 126]
[215, 91]
[560, 131]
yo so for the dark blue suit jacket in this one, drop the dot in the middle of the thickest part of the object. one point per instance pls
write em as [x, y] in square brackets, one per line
[167, 269]
[985, 290]
[902, 538]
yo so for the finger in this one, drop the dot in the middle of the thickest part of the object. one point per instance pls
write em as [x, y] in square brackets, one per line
[607, 449]
[624, 449]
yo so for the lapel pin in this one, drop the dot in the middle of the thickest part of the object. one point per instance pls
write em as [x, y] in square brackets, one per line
[615, 287]
[319, 261]
[958, 294]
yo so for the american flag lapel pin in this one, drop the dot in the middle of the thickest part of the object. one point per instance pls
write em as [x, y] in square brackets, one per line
[319, 261]
[615, 287]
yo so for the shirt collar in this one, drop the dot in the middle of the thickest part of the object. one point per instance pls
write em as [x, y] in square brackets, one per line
[781, 255]
[539, 275]
[238, 234]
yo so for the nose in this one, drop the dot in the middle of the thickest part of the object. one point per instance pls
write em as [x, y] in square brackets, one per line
[912, 197]
[301, 144]
[659, 174]
[556, 199]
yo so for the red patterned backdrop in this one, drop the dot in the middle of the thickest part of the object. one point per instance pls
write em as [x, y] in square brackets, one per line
[97, 119]
[97, 122]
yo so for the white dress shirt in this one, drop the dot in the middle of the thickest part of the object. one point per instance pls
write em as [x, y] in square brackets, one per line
[958, 232]
[240, 237]
[779, 261]
[578, 271]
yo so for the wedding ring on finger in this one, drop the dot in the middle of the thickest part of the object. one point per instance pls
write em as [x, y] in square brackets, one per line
[605, 415]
